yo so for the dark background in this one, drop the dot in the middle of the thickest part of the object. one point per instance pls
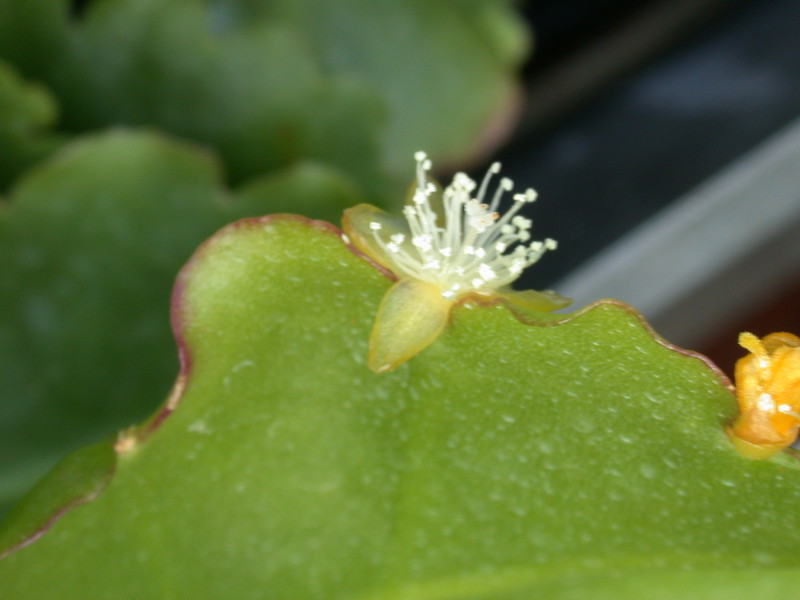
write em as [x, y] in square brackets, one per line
[663, 119]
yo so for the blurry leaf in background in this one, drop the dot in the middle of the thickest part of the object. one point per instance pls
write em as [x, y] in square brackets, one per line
[359, 84]
[445, 69]
[26, 114]
[256, 94]
[575, 457]
[90, 243]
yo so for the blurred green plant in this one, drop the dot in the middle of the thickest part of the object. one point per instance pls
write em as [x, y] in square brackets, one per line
[360, 84]
[527, 455]
[26, 113]
[129, 131]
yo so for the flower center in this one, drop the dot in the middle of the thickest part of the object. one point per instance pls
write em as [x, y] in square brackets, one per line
[475, 248]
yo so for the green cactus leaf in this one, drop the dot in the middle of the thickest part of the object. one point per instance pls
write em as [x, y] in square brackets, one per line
[575, 456]
[76, 480]
[90, 242]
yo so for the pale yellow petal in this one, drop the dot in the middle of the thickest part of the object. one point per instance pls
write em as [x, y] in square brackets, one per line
[753, 451]
[356, 225]
[412, 314]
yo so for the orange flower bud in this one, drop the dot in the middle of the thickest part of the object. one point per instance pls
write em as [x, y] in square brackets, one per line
[768, 390]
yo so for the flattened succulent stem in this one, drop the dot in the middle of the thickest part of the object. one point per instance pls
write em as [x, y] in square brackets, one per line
[411, 315]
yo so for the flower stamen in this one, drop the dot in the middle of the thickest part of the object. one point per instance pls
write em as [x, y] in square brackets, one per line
[474, 248]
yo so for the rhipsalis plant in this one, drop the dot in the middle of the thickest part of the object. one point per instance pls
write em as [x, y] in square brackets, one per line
[502, 452]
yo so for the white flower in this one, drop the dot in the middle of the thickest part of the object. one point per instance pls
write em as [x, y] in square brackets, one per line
[452, 245]
[471, 247]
